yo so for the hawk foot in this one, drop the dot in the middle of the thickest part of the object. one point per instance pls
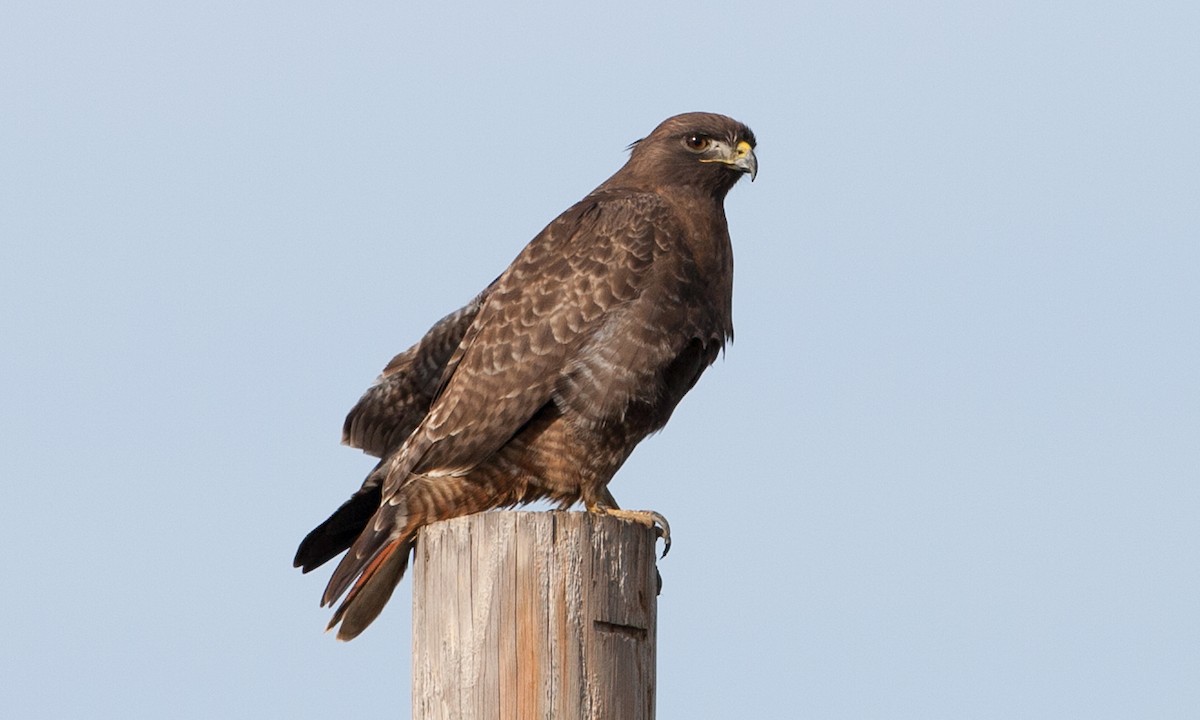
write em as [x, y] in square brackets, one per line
[649, 518]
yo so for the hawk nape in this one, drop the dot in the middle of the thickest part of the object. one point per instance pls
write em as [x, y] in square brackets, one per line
[541, 386]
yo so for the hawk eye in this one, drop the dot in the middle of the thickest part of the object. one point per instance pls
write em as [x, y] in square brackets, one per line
[697, 142]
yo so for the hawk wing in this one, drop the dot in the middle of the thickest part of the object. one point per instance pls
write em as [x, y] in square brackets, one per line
[564, 294]
[391, 409]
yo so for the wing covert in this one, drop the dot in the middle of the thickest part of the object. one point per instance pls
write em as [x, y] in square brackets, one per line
[572, 281]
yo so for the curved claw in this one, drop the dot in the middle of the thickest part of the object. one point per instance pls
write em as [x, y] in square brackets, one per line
[663, 528]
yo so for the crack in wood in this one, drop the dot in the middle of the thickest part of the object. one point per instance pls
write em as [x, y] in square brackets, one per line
[630, 631]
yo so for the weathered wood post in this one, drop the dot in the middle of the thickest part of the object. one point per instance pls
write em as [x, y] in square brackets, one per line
[534, 615]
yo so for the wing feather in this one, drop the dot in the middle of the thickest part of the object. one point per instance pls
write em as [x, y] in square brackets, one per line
[393, 406]
[570, 287]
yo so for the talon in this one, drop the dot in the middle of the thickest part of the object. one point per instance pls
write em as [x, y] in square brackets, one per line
[664, 531]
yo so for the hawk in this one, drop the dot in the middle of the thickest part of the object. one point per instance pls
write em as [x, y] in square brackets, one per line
[541, 386]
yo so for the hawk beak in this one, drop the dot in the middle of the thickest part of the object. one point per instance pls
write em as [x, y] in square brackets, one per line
[744, 159]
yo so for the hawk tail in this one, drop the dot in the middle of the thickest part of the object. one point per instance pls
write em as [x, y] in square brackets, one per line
[373, 588]
[376, 561]
[371, 568]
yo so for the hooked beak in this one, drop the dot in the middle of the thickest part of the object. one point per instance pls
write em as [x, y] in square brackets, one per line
[744, 159]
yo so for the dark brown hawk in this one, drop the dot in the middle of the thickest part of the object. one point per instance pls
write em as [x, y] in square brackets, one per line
[541, 386]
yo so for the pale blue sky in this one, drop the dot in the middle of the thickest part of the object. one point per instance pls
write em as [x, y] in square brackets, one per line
[949, 468]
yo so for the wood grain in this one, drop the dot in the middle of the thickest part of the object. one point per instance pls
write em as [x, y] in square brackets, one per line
[534, 615]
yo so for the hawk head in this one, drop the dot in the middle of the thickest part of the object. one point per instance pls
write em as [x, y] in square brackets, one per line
[705, 150]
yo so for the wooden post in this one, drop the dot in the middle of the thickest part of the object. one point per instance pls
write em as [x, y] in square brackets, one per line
[534, 615]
